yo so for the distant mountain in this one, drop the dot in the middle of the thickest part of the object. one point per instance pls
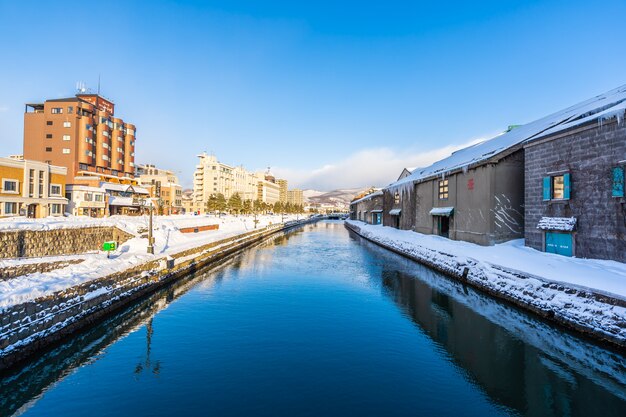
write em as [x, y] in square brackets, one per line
[311, 193]
[339, 198]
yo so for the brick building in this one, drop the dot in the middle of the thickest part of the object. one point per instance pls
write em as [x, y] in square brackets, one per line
[82, 134]
[575, 203]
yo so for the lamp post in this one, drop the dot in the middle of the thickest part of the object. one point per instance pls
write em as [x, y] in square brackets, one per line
[150, 248]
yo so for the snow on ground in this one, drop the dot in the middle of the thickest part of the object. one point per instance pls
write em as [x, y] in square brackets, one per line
[606, 277]
[168, 240]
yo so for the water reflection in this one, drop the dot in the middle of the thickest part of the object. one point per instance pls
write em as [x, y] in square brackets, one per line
[309, 325]
[520, 361]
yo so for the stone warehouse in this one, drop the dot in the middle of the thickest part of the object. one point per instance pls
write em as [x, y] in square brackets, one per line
[368, 209]
[558, 181]
[575, 203]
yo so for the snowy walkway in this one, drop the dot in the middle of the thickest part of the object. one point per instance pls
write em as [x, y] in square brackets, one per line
[168, 240]
[605, 277]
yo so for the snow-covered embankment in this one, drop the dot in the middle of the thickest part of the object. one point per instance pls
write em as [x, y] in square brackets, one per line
[597, 312]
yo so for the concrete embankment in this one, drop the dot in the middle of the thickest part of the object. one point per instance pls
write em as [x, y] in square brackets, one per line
[29, 327]
[598, 316]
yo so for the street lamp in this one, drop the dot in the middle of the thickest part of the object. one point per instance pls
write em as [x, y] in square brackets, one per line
[150, 248]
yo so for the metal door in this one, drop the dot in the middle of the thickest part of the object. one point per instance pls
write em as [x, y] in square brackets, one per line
[559, 243]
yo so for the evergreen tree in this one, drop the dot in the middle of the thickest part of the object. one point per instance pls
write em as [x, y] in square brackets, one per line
[235, 204]
[220, 202]
[247, 207]
[211, 204]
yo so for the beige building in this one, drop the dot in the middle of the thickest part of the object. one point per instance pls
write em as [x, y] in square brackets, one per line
[31, 188]
[164, 188]
[282, 190]
[268, 191]
[214, 177]
[295, 197]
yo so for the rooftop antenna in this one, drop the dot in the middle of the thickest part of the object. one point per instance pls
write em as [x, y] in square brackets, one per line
[80, 87]
[98, 84]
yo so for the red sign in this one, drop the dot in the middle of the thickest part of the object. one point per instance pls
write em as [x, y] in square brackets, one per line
[470, 184]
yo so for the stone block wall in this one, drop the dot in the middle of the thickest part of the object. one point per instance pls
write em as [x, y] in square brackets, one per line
[68, 241]
[589, 154]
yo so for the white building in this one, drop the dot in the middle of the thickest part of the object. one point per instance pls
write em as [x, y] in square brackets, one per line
[213, 177]
[86, 201]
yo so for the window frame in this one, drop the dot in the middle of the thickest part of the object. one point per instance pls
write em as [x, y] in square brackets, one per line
[9, 180]
[14, 204]
[443, 189]
[60, 190]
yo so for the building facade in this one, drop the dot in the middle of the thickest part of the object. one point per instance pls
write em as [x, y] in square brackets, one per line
[84, 200]
[164, 188]
[295, 197]
[282, 190]
[268, 191]
[575, 201]
[82, 134]
[368, 209]
[213, 177]
[31, 188]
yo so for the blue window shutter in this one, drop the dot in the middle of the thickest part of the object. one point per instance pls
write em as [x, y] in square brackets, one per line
[547, 192]
[567, 188]
[618, 182]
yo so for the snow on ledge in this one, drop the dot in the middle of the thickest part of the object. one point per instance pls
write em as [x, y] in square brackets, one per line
[565, 224]
[442, 211]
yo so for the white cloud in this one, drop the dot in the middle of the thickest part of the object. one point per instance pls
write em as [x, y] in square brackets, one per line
[377, 167]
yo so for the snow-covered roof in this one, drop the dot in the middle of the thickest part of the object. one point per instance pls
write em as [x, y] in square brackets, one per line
[121, 201]
[395, 212]
[367, 197]
[441, 211]
[565, 224]
[377, 211]
[602, 107]
[123, 188]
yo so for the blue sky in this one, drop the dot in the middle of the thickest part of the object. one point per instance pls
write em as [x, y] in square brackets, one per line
[330, 94]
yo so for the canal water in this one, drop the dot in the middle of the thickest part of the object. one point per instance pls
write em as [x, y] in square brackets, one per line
[319, 323]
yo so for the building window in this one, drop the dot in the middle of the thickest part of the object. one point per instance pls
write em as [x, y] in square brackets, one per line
[48, 149]
[55, 208]
[98, 197]
[88, 197]
[66, 150]
[55, 189]
[9, 186]
[556, 187]
[67, 124]
[10, 208]
[70, 110]
[48, 135]
[396, 198]
[443, 189]
[83, 166]
[57, 110]
[618, 182]
[49, 123]
[66, 137]
[40, 183]
[31, 182]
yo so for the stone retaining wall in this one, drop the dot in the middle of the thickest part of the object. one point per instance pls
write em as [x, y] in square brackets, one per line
[19, 270]
[68, 241]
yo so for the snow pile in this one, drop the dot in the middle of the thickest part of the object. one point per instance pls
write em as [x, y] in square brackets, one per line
[603, 107]
[566, 224]
[168, 241]
[570, 290]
